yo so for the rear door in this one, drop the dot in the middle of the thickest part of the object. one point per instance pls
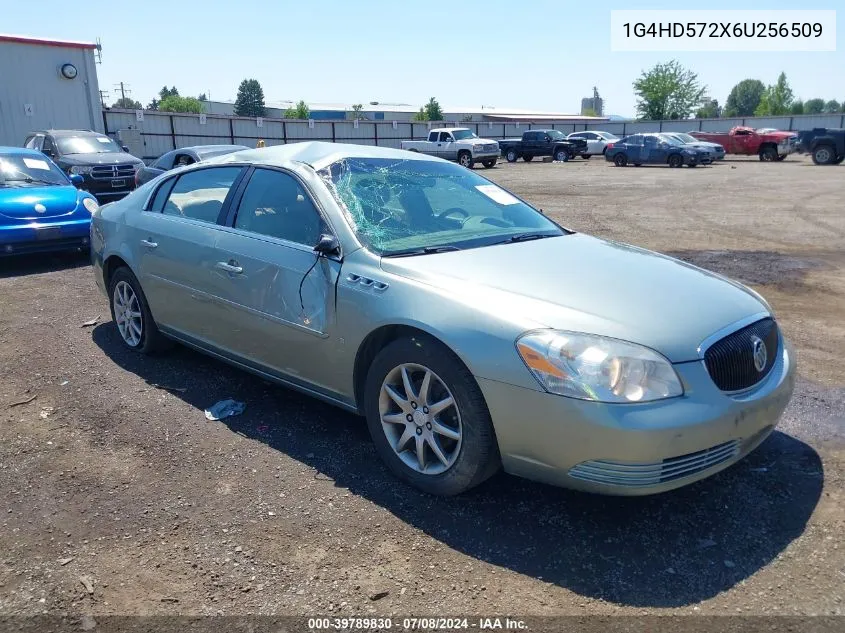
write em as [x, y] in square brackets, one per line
[634, 148]
[279, 297]
[174, 242]
[653, 150]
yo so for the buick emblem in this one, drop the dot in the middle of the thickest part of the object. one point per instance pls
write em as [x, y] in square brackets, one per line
[759, 353]
[40, 208]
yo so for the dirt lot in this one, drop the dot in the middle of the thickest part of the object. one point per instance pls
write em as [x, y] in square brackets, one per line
[120, 498]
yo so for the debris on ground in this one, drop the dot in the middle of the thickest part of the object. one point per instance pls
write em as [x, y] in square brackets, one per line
[91, 322]
[88, 583]
[65, 561]
[45, 412]
[170, 599]
[378, 595]
[166, 388]
[224, 409]
[18, 403]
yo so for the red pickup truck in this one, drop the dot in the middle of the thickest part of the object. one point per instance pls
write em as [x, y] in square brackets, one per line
[767, 144]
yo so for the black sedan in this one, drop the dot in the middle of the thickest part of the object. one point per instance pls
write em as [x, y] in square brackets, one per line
[656, 149]
[183, 156]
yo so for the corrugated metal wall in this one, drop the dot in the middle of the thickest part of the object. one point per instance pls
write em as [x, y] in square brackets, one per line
[30, 76]
[163, 131]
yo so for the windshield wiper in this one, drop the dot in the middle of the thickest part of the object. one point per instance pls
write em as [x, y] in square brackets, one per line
[526, 237]
[30, 179]
[426, 250]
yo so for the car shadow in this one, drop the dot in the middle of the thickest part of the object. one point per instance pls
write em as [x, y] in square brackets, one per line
[668, 550]
[37, 263]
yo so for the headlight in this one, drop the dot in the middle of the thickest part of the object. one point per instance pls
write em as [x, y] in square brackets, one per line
[80, 169]
[596, 368]
[90, 204]
[477, 148]
[689, 152]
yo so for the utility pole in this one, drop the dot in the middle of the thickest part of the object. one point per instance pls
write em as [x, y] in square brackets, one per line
[124, 90]
[103, 95]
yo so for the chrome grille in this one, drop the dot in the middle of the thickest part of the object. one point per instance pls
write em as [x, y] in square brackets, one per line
[730, 360]
[634, 475]
[491, 147]
[113, 171]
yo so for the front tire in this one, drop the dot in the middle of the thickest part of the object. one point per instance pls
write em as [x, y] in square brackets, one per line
[824, 155]
[561, 156]
[768, 153]
[465, 160]
[527, 158]
[131, 313]
[620, 160]
[585, 156]
[428, 418]
[676, 160]
[511, 156]
[488, 164]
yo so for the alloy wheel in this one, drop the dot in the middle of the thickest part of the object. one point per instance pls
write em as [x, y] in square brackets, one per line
[420, 418]
[127, 314]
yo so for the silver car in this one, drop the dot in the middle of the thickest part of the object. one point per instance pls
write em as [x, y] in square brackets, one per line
[472, 331]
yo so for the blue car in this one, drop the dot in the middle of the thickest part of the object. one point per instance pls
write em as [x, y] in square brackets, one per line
[41, 208]
[655, 149]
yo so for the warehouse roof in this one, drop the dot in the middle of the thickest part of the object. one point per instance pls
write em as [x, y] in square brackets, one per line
[40, 41]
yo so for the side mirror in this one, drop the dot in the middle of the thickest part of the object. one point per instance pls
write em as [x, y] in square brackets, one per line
[328, 245]
[49, 153]
[125, 148]
[77, 180]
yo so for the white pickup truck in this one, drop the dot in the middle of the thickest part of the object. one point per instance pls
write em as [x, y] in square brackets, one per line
[457, 143]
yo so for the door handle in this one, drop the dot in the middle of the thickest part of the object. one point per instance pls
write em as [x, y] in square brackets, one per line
[149, 243]
[229, 268]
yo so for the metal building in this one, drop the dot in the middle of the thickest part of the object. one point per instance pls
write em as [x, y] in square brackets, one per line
[47, 84]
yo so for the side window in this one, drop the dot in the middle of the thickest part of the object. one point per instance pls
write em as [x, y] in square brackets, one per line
[432, 137]
[49, 147]
[742, 133]
[590, 136]
[650, 140]
[635, 140]
[183, 159]
[34, 142]
[200, 194]
[445, 137]
[160, 196]
[274, 204]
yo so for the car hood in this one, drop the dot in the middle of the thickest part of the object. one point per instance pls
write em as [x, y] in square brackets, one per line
[105, 158]
[705, 145]
[585, 284]
[36, 203]
[476, 141]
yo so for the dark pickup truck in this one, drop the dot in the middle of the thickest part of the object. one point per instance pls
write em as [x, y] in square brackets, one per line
[825, 145]
[542, 143]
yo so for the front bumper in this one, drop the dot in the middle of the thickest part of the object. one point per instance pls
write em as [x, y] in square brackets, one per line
[43, 237]
[482, 156]
[109, 188]
[636, 449]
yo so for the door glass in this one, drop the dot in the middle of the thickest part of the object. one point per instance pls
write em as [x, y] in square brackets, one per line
[432, 138]
[161, 196]
[274, 204]
[444, 137]
[48, 148]
[200, 194]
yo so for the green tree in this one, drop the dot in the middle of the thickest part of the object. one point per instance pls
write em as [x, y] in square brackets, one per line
[744, 98]
[250, 99]
[797, 107]
[832, 107]
[710, 110]
[422, 115]
[433, 111]
[153, 105]
[358, 111]
[131, 104]
[589, 112]
[667, 91]
[175, 103]
[299, 111]
[813, 106]
[777, 99]
[168, 92]
[202, 97]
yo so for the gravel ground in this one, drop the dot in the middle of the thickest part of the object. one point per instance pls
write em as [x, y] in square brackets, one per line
[120, 498]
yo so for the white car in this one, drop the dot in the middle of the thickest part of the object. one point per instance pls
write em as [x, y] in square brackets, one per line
[459, 144]
[597, 141]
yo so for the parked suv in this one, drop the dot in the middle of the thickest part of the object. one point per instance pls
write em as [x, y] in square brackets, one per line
[107, 169]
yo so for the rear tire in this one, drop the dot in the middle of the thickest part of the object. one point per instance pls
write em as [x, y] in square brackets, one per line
[131, 313]
[824, 155]
[511, 156]
[470, 449]
[620, 160]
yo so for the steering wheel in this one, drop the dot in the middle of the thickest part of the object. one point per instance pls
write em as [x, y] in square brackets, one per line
[453, 211]
[485, 220]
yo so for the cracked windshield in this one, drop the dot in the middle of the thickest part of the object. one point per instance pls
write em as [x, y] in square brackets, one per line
[399, 207]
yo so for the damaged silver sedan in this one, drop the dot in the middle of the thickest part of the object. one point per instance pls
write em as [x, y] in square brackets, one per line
[472, 331]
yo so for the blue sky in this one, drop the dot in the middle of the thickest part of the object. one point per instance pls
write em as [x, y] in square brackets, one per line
[539, 54]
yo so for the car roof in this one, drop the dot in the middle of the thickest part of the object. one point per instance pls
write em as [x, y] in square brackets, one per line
[317, 154]
[20, 151]
[207, 148]
[68, 133]
[448, 129]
